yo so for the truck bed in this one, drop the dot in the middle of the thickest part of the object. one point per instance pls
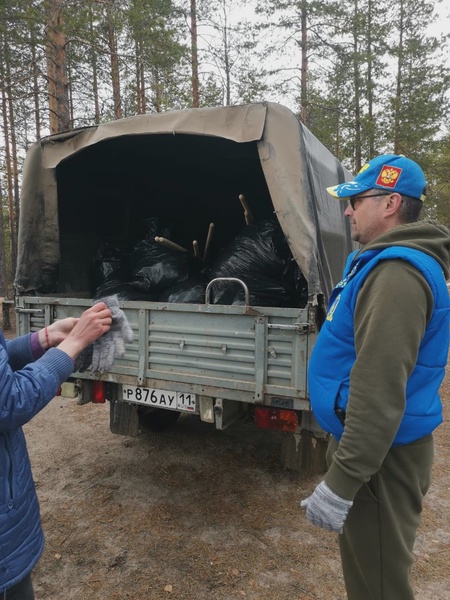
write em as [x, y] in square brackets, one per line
[255, 355]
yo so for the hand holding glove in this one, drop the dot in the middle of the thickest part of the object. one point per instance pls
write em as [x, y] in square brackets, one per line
[100, 355]
[111, 345]
[56, 332]
[326, 509]
[77, 335]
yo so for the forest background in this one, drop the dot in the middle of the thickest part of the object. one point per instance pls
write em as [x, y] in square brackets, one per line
[365, 77]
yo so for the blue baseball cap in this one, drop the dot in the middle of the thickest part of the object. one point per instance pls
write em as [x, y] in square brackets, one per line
[391, 172]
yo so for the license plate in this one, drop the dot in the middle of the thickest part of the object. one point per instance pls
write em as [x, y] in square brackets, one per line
[162, 398]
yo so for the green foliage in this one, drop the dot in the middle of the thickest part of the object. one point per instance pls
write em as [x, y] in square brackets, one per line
[365, 77]
[385, 87]
[437, 170]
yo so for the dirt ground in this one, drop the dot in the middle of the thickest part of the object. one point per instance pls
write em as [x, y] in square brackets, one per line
[195, 514]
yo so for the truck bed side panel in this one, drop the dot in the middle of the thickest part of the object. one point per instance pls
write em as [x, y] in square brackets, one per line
[240, 353]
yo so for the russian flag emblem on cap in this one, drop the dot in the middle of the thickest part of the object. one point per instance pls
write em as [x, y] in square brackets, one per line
[388, 176]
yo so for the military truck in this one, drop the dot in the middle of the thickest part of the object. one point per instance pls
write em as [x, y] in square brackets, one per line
[205, 182]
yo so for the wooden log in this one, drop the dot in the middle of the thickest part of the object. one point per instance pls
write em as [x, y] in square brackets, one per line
[208, 240]
[248, 216]
[169, 244]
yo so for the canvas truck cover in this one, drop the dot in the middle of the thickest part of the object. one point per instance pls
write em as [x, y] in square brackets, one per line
[296, 167]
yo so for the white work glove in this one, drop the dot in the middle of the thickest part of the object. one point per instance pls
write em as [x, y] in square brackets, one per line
[111, 345]
[99, 356]
[326, 509]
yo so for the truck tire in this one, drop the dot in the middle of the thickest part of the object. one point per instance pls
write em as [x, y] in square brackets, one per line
[157, 419]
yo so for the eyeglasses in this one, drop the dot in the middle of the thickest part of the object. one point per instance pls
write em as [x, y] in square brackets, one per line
[353, 201]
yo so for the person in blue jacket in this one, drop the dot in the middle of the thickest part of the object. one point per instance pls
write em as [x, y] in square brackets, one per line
[32, 367]
[374, 378]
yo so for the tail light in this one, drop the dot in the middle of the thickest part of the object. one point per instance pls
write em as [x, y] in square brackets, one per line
[98, 392]
[276, 418]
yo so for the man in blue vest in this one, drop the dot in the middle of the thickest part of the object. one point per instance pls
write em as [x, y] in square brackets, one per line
[374, 377]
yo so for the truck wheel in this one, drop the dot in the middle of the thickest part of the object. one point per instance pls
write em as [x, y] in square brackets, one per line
[157, 419]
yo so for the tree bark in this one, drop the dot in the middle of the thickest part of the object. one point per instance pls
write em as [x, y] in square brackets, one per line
[194, 53]
[357, 82]
[14, 165]
[8, 158]
[304, 67]
[93, 60]
[398, 94]
[114, 63]
[36, 91]
[3, 250]
[137, 68]
[58, 91]
[370, 82]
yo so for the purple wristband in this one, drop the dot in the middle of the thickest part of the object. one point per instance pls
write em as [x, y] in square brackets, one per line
[36, 349]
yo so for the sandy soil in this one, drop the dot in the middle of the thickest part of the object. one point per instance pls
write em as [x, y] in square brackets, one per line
[194, 513]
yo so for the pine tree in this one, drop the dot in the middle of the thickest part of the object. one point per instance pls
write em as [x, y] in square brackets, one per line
[417, 104]
[230, 70]
[162, 75]
[58, 87]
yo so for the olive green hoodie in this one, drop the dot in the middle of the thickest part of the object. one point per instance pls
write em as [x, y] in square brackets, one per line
[392, 310]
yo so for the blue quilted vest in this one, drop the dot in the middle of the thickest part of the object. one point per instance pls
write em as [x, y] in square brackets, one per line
[334, 352]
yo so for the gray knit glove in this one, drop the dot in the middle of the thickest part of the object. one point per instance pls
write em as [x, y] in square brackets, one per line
[100, 355]
[111, 345]
[326, 509]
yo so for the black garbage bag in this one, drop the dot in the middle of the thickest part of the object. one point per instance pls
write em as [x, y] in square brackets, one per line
[191, 291]
[154, 267]
[261, 258]
[153, 226]
[124, 291]
[109, 269]
[297, 284]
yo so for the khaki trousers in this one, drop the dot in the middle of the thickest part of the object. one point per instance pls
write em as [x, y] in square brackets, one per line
[380, 530]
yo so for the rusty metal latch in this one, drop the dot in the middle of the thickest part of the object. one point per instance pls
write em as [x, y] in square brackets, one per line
[300, 328]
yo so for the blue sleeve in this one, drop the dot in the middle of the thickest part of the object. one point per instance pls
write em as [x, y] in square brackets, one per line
[19, 351]
[27, 390]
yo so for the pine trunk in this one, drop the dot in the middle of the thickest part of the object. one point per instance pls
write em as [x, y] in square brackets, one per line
[14, 167]
[194, 57]
[304, 68]
[3, 251]
[114, 65]
[93, 60]
[357, 100]
[370, 83]
[398, 94]
[58, 91]
[36, 90]
[8, 158]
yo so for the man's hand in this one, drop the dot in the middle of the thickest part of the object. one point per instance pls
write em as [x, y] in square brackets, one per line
[326, 509]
